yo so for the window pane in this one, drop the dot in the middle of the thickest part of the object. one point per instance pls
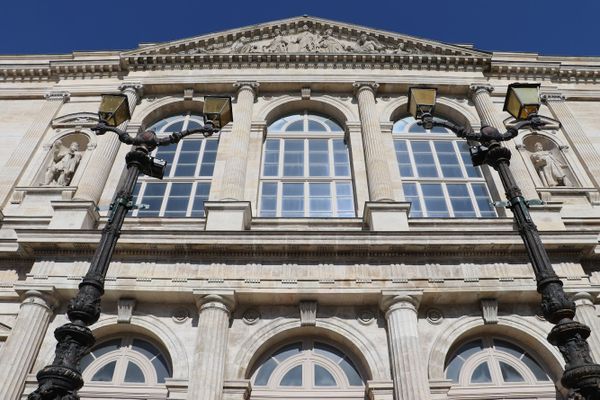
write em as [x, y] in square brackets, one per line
[320, 200]
[271, 163]
[153, 198]
[175, 127]
[332, 125]
[318, 157]
[297, 126]
[292, 201]
[105, 374]
[424, 160]
[293, 377]
[340, 158]
[453, 369]
[351, 372]
[323, 377]
[268, 200]
[461, 201]
[179, 198]
[435, 202]
[287, 351]
[147, 349]
[265, 371]
[161, 368]
[134, 374]
[314, 126]
[403, 159]
[344, 199]
[411, 194]
[539, 373]
[167, 153]
[202, 191]
[481, 374]
[293, 157]
[482, 197]
[448, 159]
[509, 374]
[208, 157]
[472, 172]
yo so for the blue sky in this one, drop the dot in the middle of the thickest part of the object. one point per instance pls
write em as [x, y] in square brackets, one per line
[551, 27]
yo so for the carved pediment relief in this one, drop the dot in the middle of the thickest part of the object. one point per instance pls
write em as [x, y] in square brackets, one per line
[75, 120]
[305, 35]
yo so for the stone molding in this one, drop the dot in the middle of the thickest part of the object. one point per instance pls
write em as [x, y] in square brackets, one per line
[308, 313]
[125, 309]
[552, 96]
[489, 311]
[58, 95]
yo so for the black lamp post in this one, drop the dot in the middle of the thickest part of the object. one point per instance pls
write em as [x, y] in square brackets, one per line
[581, 375]
[62, 379]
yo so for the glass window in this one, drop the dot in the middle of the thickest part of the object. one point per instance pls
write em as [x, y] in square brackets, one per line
[309, 366]
[437, 174]
[125, 361]
[495, 364]
[186, 184]
[306, 169]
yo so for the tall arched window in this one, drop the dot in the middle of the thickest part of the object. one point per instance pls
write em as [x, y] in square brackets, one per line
[437, 174]
[492, 366]
[307, 368]
[306, 169]
[127, 363]
[186, 184]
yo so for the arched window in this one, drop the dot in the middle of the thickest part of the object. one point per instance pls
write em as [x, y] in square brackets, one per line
[437, 174]
[128, 361]
[308, 368]
[186, 184]
[306, 169]
[491, 365]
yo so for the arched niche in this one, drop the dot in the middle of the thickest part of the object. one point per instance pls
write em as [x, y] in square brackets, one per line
[547, 162]
[278, 332]
[65, 158]
[324, 105]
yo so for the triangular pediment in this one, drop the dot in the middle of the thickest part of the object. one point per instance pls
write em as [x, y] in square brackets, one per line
[304, 35]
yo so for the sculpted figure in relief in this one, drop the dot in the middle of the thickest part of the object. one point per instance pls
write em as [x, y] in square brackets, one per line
[279, 44]
[307, 40]
[549, 168]
[329, 44]
[242, 45]
[367, 44]
[63, 164]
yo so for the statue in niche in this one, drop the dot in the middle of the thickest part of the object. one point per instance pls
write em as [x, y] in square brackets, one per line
[279, 44]
[63, 164]
[307, 40]
[329, 44]
[367, 44]
[549, 168]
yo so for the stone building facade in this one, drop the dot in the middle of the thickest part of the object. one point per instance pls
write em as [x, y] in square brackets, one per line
[323, 245]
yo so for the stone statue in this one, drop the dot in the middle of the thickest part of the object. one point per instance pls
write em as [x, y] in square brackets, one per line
[279, 44]
[63, 164]
[549, 168]
[368, 44]
[242, 45]
[329, 44]
[307, 40]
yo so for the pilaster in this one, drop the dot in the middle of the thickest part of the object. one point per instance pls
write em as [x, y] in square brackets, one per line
[578, 140]
[13, 169]
[408, 369]
[207, 378]
[587, 314]
[237, 390]
[21, 349]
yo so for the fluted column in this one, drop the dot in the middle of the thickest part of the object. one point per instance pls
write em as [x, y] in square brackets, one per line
[206, 381]
[584, 148]
[17, 163]
[21, 348]
[378, 174]
[96, 173]
[237, 143]
[587, 314]
[408, 364]
[489, 115]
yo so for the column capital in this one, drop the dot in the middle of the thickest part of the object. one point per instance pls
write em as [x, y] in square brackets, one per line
[58, 95]
[247, 85]
[583, 299]
[136, 87]
[394, 300]
[547, 97]
[365, 85]
[41, 296]
[478, 87]
[223, 300]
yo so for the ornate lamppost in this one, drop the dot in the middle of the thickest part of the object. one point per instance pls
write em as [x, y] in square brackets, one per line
[581, 375]
[62, 379]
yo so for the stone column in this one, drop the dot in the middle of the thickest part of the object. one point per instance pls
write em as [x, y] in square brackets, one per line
[408, 364]
[232, 211]
[579, 141]
[17, 163]
[489, 115]
[587, 314]
[97, 171]
[381, 213]
[21, 348]
[206, 381]
[377, 165]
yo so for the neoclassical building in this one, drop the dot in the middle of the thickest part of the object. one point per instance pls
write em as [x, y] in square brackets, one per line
[323, 245]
